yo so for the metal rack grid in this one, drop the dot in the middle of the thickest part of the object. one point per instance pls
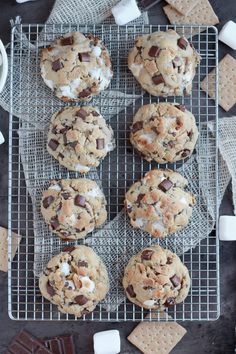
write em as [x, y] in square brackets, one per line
[119, 170]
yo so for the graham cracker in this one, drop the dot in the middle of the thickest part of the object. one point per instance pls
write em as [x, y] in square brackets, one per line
[4, 247]
[156, 337]
[227, 83]
[201, 14]
[183, 6]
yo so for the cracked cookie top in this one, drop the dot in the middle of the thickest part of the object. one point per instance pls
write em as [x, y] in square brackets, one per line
[72, 208]
[164, 63]
[76, 67]
[158, 203]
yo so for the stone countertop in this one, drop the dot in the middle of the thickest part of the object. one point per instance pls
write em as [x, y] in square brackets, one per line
[216, 337]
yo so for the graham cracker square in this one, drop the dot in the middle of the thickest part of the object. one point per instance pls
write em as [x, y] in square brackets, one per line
[183, 6]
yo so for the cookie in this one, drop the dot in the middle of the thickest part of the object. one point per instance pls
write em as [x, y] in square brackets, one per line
[156, 279]
[164, 63]
[164, 132]
[76, 67]
[158, 203]
[75, 280]
[73, 208]
[79, 138]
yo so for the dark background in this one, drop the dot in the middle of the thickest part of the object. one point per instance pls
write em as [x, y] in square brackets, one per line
[216, 337]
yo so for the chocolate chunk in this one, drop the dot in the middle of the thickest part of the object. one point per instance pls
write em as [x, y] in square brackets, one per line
[65, 195]
[190, 134]
[85, 312]
[50, 289]
[85, 93]
[84, 57]
[60, 344]
[53, 144]
[80, 200]
[171, 144]
[158, 79]
[63, 130]
[182, 43]
[73, 144]
[81, 300]
[170, 301]
[95, 114]
[100, 144]
[48, 201]
[140, 197]
[57, 65]
[67, 41]
[175, 280]
[54, 222]
[65, 139]
[154, 51]
[185, 153]
[176, 62]
[81, 113]
[130, 291]
[136, 126]
[181, 107]
[82, 264]
[147, 255]
[169, 260]
[68, 248]
[25, 343]
[165, 185]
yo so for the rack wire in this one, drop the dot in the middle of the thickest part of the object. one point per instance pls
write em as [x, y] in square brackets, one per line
[118, 171]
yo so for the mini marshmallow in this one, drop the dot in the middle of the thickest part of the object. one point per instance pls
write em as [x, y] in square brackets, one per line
[2, 140]
[228, 34]
[227, 228]
[106, 342]
[65, 268]
[55, 187]
[125, 11]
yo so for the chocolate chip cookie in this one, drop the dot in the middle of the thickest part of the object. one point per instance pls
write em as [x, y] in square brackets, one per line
[158, 203]
[75, 280]
[72, 208]
[164, 63]
[164, 132]
[76, 67]
[79, 138]
[156, 278]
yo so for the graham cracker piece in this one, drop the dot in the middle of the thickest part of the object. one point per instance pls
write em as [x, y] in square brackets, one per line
[183, 6]
[227, 83]
[201, 14]
[156, 337]
[4, 247]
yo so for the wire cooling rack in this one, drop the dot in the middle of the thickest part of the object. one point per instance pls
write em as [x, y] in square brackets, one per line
[32, 101]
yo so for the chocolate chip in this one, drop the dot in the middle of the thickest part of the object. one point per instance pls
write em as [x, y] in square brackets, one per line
[136, 127]
[64, 139]
[182, 43]
[67, 41]
[80, 200]
[73, 144]
[82, 264]
[84, 312]
[140, 197]
[181, 107]
[53, 144]
[50, 289]
[84, 57]
[154, 51]
[190, 134]
[54, 222]
[68, 248]
[169, 260]
[81, 300]
[147, 255]
[176, 62]
[81, 113]
[100, 144]
[48, 201]
[95, 114]
[64, 129]
[130, 290]
[158, 79]
[170, 301]
[57, 65]
[165, 185]
[185, 153]
[175, 280]
[65, 195]
[85, 93]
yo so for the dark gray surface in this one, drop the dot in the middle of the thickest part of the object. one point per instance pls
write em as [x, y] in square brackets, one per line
[202, 337]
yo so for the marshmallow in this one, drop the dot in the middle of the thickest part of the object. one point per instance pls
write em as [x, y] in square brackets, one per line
[106, 342]
[2, 140]
[227, 228]
[228, 34]
[125, 11]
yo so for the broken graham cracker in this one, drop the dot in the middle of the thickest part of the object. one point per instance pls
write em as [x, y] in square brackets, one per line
[156, 337]
[201, 14]
[4, 247]
[183, 6]
[227, 83]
